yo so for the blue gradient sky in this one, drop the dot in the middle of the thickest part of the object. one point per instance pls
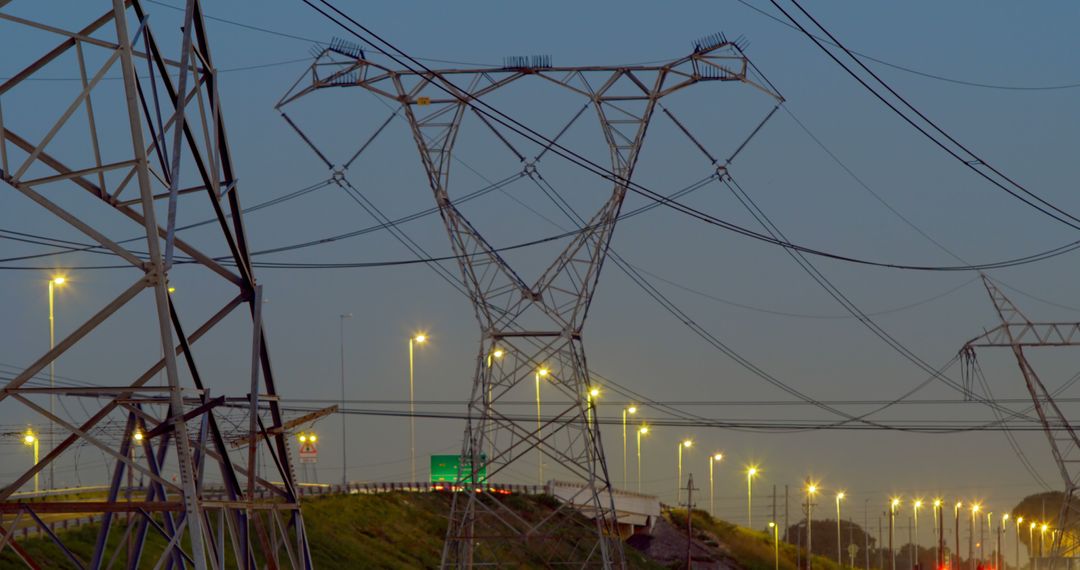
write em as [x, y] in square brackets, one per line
[1031, 135]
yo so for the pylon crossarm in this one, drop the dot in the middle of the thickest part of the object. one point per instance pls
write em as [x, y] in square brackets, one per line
[1029, 335]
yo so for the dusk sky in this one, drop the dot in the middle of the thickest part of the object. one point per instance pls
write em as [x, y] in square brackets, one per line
[1022, 118]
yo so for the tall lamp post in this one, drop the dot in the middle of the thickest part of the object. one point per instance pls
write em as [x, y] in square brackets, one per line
[1031, 545]
[915, 547]
[30, 439]
[630, 410]
[751, 472]
[1001, 539]
[811, 490]
[1019, 521]
[839, 556]
[776, 545]
[714, 458]
[971, 539]
[939, 526]
[540, 374]
[643, 430]
[54, 282]
[344, 452]
[892, 531]
[418, 339]
[956, 528]
[678, 490]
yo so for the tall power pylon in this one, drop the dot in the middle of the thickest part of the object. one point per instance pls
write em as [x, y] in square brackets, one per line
[531, 330]
[138, 143]
[1018, 332]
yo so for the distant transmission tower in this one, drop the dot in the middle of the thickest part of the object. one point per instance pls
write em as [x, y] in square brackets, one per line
[137, 139]
[1018, 332]
[531, 331]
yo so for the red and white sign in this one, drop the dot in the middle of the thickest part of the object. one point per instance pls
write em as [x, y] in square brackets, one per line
[309, 453]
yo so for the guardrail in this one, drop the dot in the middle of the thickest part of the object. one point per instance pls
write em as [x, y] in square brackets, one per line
[307, 490]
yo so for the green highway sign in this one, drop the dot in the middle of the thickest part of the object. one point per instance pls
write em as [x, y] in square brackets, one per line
[444, 469]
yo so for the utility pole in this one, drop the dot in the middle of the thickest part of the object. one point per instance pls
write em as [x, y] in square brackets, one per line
[773, 502]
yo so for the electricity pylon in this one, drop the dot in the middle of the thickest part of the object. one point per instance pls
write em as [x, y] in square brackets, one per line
[1017, 332]
[139, 143]
[531, 331]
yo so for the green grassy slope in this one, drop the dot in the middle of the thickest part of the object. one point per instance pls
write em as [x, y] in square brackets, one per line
[391, 530]
[749, 549]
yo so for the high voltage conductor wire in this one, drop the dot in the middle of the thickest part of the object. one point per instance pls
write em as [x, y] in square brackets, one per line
[973, 162]
[916, 71]
[571, 156]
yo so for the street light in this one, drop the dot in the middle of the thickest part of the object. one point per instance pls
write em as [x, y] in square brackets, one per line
[895, 502]
[642, 430]
[678, 490]
[839, 557]
[1033, 562]
[54, 282]
[776, 545]
[630, 410]
[344, 452]
[1001, 538]
[30, 439]
[811, 490]
[971, 539]
[541, 372]
[956, 527]
[713, 459]
[419, 338]
[751, 472]
[593, 394]
[939, 528]
[1019, 521]
[915, 547]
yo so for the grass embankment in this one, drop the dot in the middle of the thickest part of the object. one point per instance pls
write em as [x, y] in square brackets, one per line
[391, 530]
[749, 549]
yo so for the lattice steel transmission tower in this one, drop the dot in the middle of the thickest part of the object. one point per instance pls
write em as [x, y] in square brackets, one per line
[531, 330]
[137, 144]
[1018, 332]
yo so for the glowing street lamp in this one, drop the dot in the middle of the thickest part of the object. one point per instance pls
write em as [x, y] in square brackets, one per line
[916, 506]
[811, 490]
[419, 338]
[776, 545]
[714, 458]
[630, 410]
[939, 529]
[31, 439]
[1019, 522]
[971, 539]
[839, 557]
[956, 526]
[642, 430]
[679, 448]
[893, 504]
[751, 472]
[541, 373]
[54, 282]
